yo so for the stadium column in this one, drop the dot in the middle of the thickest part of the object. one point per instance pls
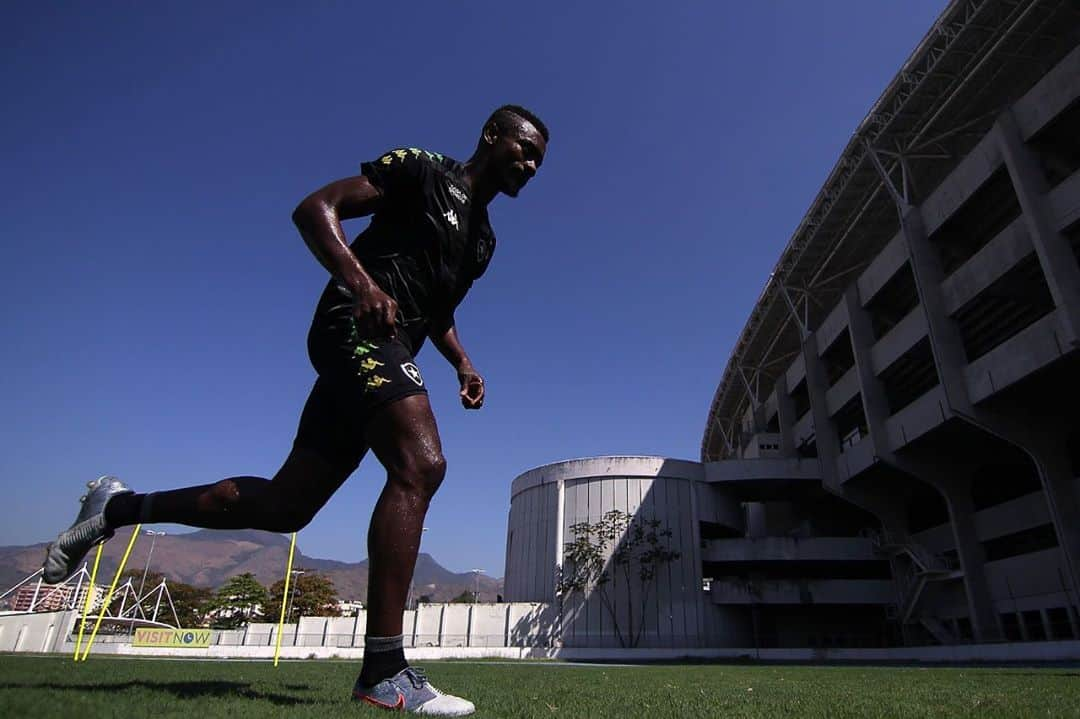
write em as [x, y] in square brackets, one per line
[945, 341]
[984, 621]
[1056, 257]
[957, 494]
[1048, 443]
[825, 436]
[785, 414]
[875, 404]
[827, 441]
[953, 481]
[1042, 438]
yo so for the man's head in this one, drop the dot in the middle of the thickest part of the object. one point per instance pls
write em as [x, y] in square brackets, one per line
[512, 144]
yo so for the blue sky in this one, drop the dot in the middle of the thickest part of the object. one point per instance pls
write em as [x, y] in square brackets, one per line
[156, 297]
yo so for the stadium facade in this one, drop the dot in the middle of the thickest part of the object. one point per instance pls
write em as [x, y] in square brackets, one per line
[891, 456]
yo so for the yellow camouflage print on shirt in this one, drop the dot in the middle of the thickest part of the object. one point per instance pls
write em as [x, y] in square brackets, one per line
[389, 157]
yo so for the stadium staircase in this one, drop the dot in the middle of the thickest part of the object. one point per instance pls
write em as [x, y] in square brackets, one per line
[914, 567]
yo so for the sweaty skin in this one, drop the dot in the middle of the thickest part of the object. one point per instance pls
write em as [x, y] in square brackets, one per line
[402, 433]
[405, 437]
[504, 162]
[430, 239]
[219, 496]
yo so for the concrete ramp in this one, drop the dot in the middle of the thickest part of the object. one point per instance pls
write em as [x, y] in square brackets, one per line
[765, 479]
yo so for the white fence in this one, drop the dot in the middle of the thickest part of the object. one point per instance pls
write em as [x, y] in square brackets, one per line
[508, 631]
[431, 626]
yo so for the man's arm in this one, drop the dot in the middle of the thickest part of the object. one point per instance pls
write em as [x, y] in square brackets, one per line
[318, 217]
[472, 384]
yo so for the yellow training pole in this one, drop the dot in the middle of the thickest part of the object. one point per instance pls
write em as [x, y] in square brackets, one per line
[89, 599]
[284, 595]
[112, 588]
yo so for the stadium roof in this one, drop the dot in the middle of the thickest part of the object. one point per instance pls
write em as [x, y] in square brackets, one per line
[978, 58]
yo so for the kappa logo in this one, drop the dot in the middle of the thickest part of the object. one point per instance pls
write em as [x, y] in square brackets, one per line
[457, 193]
[413, 372]
[370, 363]
[451, 217]
[376, 382]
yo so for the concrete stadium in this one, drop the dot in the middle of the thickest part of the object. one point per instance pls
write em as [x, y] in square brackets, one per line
[889, 465]
[891, 456]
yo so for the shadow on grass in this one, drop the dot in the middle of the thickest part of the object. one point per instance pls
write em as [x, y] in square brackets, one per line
[179, 690]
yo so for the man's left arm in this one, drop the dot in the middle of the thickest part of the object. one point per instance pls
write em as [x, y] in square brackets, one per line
[472, 384]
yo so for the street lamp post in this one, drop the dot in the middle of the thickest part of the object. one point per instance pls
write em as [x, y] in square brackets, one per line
[292, 595]
[476, 590]
[292, 601]
[153, 538]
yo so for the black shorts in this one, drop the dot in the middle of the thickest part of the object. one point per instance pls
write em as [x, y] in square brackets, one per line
[356, 378]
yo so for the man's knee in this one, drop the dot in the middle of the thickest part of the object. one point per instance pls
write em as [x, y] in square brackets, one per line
[287, 509]
[220, 497]
[266, 505]
[422, 474]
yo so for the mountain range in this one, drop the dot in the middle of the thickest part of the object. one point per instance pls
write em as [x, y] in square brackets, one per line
[207, 558]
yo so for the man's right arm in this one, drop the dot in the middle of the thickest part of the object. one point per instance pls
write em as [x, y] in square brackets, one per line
[318, 217]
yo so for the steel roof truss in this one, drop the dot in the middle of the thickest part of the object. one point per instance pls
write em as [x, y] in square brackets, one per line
[899, 196]
[753, 388]
[802, 321]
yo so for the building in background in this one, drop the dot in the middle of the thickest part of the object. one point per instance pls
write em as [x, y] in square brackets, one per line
[40, 597]
[891, 456]
[733, 585]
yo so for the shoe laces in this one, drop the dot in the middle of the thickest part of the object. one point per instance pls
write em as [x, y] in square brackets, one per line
[418, 679]
[82, 532]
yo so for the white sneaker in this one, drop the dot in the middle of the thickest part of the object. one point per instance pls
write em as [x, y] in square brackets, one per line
[89, 530]
[409, 690]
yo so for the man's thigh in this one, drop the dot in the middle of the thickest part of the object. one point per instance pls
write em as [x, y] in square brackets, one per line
[405, 437]
[305, 483]
[355, 390]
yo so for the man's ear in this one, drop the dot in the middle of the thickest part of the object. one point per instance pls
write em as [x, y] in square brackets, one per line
[491, 133]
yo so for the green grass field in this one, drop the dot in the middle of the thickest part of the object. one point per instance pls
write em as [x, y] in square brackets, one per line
[104, 687]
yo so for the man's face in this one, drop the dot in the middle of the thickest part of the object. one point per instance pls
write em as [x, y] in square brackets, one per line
[517, 154]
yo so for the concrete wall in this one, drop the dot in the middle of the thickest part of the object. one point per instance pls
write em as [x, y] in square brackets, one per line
[548, 501]
[777, 549]
[40, 633]
[532, 548]
[430, 626]
[804, 592]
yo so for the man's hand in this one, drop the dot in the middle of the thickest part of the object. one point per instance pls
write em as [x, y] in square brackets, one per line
[472, 384]
[374, 312]
[472, 388]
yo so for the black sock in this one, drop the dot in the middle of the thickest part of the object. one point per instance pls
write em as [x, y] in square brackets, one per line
[383, 658]
[124, 510]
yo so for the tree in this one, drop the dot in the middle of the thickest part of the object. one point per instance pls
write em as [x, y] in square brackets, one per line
[466, 597]
[310, 595]
[239, 600]
[190, 603]
[618, 547]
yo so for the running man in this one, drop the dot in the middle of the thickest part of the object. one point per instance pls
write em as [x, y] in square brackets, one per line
[396, 285]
